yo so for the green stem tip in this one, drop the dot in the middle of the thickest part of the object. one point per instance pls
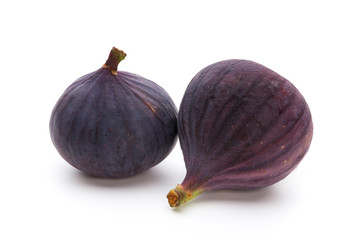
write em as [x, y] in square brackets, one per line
[115, 57]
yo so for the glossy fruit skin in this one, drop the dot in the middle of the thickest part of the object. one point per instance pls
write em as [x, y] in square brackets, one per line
[241, 126]
[114, 126]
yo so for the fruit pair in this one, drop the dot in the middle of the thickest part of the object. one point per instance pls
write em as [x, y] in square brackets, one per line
[240, 125]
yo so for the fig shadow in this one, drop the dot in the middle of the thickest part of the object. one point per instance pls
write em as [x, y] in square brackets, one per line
[151, 177]
[266, 194]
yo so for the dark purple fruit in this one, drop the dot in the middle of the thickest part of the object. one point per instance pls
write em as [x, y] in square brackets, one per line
[241, 126]
[113, 124]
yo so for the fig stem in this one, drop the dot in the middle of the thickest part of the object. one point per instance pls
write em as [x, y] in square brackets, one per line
[115, 57]
[180, 195]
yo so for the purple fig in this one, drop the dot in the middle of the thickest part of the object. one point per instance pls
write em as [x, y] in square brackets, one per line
[114, 124]
[240, 126]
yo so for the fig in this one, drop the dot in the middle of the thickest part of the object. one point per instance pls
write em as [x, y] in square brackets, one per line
[240, 126]
[114, 124]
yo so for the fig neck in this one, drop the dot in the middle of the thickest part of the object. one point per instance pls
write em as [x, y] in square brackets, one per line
[115, 57]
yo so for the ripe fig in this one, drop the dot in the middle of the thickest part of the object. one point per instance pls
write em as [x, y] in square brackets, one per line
[240, 126]
[114, 124]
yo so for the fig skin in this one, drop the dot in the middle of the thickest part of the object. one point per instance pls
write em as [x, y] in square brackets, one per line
[114, 124]
[240, 126]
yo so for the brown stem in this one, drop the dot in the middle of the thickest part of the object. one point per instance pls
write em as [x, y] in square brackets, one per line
[179, 195]
[115, 57]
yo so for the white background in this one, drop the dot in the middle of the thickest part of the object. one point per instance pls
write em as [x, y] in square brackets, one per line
[46, 45]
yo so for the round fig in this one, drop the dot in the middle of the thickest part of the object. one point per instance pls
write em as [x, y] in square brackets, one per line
[114, 124]
[240, 126]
